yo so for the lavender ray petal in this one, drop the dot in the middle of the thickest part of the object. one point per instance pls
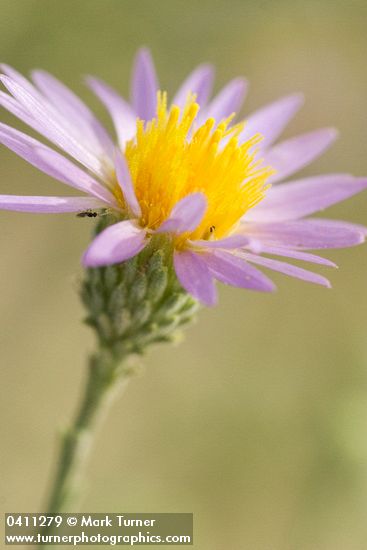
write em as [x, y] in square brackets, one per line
[48, 205]
[300, 198]
[231, 242]
[227, 102]
[186, 215]
[144, 85]
[287, 269]
[194, 277]
[78, 118]
[81, 130]
[306, 234]
[117, 243]
[52, 163]
[123, 116]
[271, 120]
[199, 82]
[234, 271]
[126, 184]
[19, 78]
[295, 254]
[39, 117]
[292, 155]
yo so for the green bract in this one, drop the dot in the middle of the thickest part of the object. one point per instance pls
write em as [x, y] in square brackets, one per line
[136, 303]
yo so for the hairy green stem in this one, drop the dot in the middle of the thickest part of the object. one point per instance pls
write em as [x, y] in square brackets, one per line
[106, 375]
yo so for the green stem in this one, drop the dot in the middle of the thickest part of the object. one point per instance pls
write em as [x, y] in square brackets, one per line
[130, 306]
[104, 378]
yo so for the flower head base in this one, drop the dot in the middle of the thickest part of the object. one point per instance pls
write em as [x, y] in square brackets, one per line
[169, 160]
[136, 303]
[187, 172]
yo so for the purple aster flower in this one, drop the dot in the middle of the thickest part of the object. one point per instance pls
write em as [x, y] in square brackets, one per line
[188, 171]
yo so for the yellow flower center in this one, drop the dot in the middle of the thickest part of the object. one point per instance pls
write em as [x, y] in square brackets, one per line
[169, 159]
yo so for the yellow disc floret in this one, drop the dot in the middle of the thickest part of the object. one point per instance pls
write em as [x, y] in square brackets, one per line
[169, 159]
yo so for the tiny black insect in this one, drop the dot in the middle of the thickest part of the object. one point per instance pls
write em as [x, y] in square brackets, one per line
[212, 229]
[87, 214]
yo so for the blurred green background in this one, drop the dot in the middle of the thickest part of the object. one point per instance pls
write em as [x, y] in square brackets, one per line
[258, 421]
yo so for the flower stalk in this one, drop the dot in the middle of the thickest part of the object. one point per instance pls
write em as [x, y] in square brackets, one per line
[104, 378]
[129, 306]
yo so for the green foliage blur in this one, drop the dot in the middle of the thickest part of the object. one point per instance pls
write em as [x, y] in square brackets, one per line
[257, 422]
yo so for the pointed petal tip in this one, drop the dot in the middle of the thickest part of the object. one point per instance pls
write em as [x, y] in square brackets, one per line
[208, 71]
[91, 80]
[201, 196]
[186, 215]
[143, 54]
[115, 244]
[298, 98]
[212, 302]
[207, 67]
[361, 235]
[299, 95]
[322, 281]
[9, 71]
[270, 288]
[200, 82]
[241, 85]
[361, 183]
[240, 81]
[126, 184]
[4, 67]
[8, 81]
[38, 72]
[333, 132]
[229, 100]
[85, 260]
[195, 277]
[289, 156]
[200, 200]
[293, 101]
[271, 119]
[144, 85]
[143, 50]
